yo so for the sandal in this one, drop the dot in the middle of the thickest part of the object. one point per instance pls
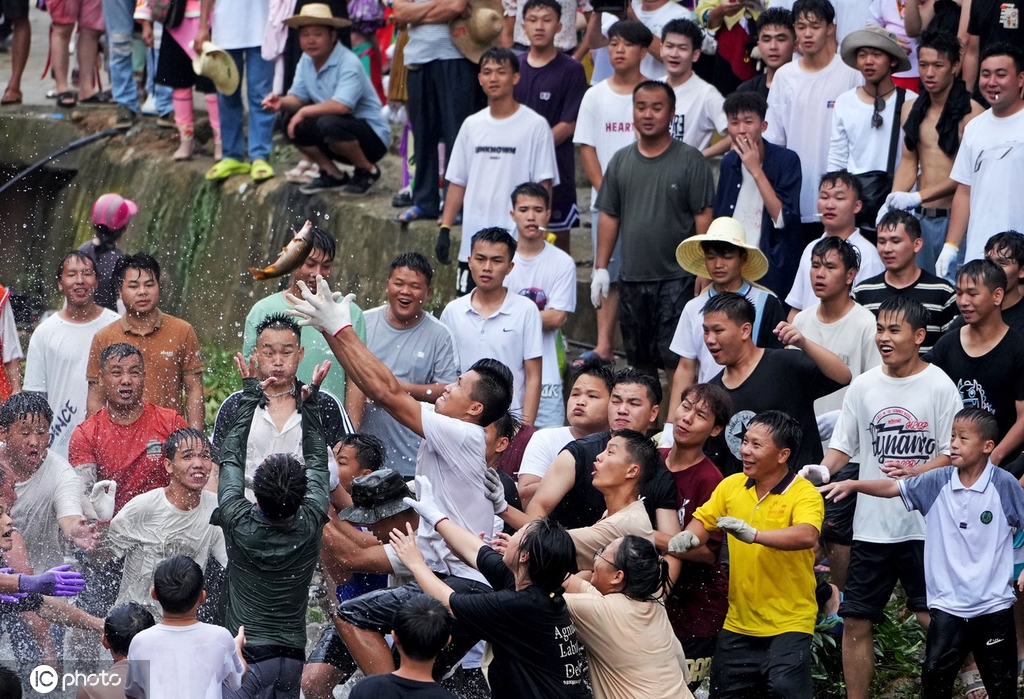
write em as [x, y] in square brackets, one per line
[227, 167]
[97, 98]
[260, 170]
[974, 688]
[67, 100]
[11, 97]
[303, 173]
[591, 356]
[413, 213]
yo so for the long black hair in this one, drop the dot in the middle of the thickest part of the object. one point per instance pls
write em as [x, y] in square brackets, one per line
[644, 573]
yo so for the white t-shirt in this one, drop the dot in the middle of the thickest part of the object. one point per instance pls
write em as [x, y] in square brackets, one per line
[800, 118]
[242, 23]
[52, 492]
[883, 419]
[802, 296]
[149, 529]
[605, 122]
[991, 162]
[56, 366]
[888, 14]
[512, 335]
[750, 208]
[655, 20]
[9, 335]
[854, 144]
[699, 113]
[183, 662]
[850, 14]
[550, 275]
[490, 158]
[542, 449]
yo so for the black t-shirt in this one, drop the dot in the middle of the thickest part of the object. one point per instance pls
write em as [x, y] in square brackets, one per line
[394, 687]
[105, 258]
[758, 84]
[1012, 316]
[785, 380]
[996, 20]
[584, 504]
[992, 382]
[536, 651]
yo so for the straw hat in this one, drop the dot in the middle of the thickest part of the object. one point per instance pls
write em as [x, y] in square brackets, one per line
[724, 229]
[875, 38]
[316, 13]
[216, 64]
[480, 31]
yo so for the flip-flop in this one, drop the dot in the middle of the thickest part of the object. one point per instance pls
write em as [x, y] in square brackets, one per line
[67, 99]
[591, 356]
[227, 167]
[413, 213]
[260, 170]
[11, 97]
[97, 98]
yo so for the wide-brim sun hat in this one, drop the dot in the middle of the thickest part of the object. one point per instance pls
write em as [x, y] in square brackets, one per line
[479, 31]
[875, 38]
[316, 13]
[724, 229]
[217, 64]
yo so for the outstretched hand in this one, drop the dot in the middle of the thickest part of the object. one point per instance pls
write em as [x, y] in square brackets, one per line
[405, 547]
[321, 310]
[319, 374]
[248, 369]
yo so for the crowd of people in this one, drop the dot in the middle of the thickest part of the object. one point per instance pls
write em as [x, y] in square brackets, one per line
[832, 324]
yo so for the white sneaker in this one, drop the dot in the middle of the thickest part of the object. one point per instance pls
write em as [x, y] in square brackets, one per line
[149, 106]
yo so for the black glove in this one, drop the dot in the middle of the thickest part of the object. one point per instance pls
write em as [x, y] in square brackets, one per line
[442, 248]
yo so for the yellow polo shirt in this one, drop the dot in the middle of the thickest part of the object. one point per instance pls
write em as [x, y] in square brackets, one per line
[770, 591]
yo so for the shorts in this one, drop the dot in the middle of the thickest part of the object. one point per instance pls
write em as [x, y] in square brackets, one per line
[872, 575]
[85, 13]
[551, 411]
[272, 678]
[699, 652]
[15, 10]
[648, 315]
[330, 649]
[463, 280]
[762, 666]
[320, 131]
[992, 640]
[615, 264]
[838, 525]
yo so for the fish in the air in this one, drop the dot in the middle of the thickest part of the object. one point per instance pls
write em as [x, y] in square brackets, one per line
[291, 256]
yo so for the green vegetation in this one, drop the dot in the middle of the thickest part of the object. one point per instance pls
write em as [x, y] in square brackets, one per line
[220, 380]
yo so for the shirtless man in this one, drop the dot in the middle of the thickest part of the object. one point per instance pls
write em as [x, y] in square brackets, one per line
[939, 63]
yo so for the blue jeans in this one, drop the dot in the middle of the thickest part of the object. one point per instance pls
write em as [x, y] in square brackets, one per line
[161, 93]
[933, 233]
[118, 17]
[259, 81]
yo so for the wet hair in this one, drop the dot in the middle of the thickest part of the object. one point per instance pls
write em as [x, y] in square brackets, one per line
[493, 389]
[785, 430]
[10, 684]
[122, 623]
[596, 369]
[898, 217]
[643, 452]
[685, 27]
[632, 32]
[836, 177]
[507, 426]
[178, 582]
[141, 262]
[745, 103]
[24, 405]
[532, 189]
[958, 102]
[501, 56]
[847, 254]
[1010, 241]
[914, 314]
[552, 555]
[657, 85]
[324, 242]
[73, 255]
[279, 486]
[119, 351]
[414, 261]
[370, 450]
[1004, 48]
[180, 436]
[550, 4]
[984, 422]
[819, 9]
[775, 17]
[714, 397]
[629, 375]
[497, 236]
[943, 43]
[736, 307]
[983, 271]
[644, 572]
[422, 625]
[279, 321]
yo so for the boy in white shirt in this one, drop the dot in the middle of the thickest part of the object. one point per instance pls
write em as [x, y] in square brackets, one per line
[699, 113]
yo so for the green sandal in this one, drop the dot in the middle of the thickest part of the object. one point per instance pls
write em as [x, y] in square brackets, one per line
[226, 168]
[261, 170]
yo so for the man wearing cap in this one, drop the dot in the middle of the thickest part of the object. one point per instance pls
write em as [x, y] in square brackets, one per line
[334, 112]
[732, 264]
[865, 120]
[111, 215]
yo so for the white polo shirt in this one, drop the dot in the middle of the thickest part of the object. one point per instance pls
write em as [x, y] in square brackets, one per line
[968, 554]
[512, 335]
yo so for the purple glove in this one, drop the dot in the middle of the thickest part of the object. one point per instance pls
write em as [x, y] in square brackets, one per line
[60, 581]
[14, 598]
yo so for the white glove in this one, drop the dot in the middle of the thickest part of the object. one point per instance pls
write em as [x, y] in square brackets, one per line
[102, 499]
[600, 284]
[683, 542]
[495, 490]
[815, 473]
[738, 528]
[827, 424]
[903, 200]
[946, 259]
[320, 310]
[425, 506]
